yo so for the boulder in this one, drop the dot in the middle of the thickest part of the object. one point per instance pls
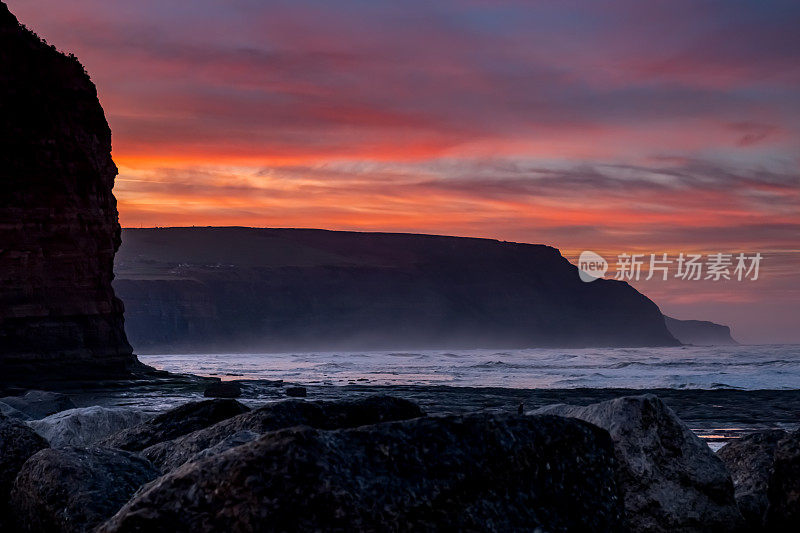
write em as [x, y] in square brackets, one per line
[672, 480]
[174, 423]
[74, 489]
[783, 513]
[326, 415]
[39, 404]
[475, 473]
[231, 441]
[17, 443]
[749, 461]
[10, 412]
[223, 389]
[86, 425]
[296, 392]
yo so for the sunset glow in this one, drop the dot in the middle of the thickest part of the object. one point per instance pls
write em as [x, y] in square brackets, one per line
[609, 126]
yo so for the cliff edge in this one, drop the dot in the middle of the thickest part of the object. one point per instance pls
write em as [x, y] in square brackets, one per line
[59, 317]
[242, 289]
[700, 332]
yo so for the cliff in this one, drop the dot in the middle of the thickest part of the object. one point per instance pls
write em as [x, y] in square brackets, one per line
[699, 332]
[239, 289]
[58, 218]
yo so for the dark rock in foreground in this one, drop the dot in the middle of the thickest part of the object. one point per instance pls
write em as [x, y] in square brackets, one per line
[325, 415]
[74, 489]
[477, 472]
[174, 423]
[59, 318]
[750, 462]
[296, 392]
[672, 480]
[38, 404]
[17, 443]
[783, 514]
[224, 389]
[86, 425]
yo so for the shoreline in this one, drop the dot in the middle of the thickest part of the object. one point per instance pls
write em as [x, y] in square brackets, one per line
[716, 415]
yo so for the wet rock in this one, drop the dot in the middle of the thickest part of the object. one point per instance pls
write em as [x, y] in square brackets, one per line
[9, 412]
[477, 473]
[296, 392]
[671, 479]
[231, 441]
[17, 443]
[749, 461]
[86, 425]
[175, 423]
[74, 489]
[223, 389]
[783, 513]
[326, 415]
[39, 404]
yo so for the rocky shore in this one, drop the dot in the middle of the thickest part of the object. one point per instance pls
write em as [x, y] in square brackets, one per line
[374, 462]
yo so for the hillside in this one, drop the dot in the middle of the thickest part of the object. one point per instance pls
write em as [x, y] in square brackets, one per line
[241, 289]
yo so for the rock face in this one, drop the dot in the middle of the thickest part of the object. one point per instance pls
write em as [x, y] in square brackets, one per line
[174, 423]
[17, 443]
[169, 455]
[73, 489]
[472, 473]
[59, 318]
[672, 480]
[699, 332]
[783, 514]
[750, 462]
[86, 425]
[229, 389]
[238, 289]
[39, 404]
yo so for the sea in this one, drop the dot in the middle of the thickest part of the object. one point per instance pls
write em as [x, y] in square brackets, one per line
[721, 392]
[740, 367]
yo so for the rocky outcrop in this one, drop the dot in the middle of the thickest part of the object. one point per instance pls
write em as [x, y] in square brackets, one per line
[783, 514]
[17, 443]
[671, 479]
[224, 389]
[271, 417]
[37, 404]
[74, 489]
[59, 318]
[471, 473]
[239, 289]
[750, 461]
[699, 332]
[86, 425]
[174, 423]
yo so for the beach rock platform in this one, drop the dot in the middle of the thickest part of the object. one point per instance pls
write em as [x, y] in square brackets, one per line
[361, 462]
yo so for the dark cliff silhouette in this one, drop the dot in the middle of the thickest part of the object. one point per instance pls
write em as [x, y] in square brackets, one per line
[59, 232]
[699, 332]
[238, 289]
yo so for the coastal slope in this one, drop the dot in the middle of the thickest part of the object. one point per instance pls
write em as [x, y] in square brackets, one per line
[242, 289]
[700, 332]
[59, 317]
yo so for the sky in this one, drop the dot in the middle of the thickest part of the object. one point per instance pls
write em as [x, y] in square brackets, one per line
[618, 126]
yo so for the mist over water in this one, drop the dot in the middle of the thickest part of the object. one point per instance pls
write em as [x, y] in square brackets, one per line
[688, 367]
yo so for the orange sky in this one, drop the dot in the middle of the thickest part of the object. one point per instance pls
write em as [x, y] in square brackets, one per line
[615, 127]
